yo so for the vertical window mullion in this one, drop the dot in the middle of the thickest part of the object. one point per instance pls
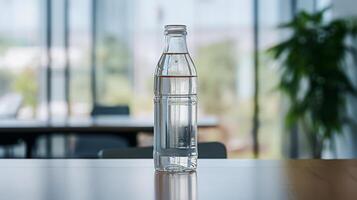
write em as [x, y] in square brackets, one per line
[93, 51]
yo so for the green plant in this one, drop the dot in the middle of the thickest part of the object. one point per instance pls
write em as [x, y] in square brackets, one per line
[216, 67]
[313, 75]
[114, 71]
[25, 83]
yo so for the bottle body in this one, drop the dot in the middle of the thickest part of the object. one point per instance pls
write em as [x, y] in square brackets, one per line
[175, 129]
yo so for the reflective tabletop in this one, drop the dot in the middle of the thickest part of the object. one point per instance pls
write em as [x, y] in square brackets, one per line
[215, 179]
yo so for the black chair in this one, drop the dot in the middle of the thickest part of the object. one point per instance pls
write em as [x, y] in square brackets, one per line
[88, 146]
[10, 105]
[100, 110]
[208, 150]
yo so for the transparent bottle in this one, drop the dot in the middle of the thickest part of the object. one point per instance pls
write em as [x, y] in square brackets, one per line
[175, 131]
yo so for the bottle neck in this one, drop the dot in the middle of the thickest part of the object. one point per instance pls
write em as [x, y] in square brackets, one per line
[175, 43]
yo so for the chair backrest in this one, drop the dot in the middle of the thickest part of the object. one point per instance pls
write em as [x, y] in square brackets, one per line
[208, 150]
[10, 105]
[99, 110]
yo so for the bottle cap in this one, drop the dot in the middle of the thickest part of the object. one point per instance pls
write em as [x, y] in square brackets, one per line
[175, 29]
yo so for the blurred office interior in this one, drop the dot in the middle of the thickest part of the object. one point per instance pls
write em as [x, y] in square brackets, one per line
[60, 60]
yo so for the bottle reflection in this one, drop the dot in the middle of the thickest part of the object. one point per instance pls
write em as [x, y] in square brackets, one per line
[175, 186]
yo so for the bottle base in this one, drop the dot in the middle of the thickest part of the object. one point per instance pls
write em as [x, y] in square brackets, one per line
[175, 164]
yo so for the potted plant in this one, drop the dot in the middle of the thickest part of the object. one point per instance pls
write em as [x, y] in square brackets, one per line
[313, 75]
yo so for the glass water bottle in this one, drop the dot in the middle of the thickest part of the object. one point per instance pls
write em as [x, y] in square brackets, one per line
[175, 131]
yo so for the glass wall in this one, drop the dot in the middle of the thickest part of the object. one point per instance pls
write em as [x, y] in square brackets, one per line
[79, 53]
[20, 57]
[114, 52]
[129, 42]
[106, 51]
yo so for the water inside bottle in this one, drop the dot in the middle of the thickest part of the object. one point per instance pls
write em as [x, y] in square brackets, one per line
[175, 122]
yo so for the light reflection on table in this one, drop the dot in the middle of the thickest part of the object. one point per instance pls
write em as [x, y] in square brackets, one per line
[175, 186]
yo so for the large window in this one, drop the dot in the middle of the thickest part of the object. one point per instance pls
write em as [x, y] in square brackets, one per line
[20, 55]
[129, 41]
[105, 51]
[79, 50]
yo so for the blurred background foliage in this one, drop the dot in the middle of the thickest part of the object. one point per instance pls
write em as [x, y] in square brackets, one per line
[217, 93]
[313, 75]
[113, 66]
